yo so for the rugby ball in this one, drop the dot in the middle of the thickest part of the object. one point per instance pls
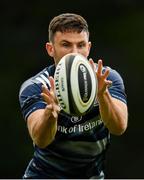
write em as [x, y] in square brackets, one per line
[75, 84]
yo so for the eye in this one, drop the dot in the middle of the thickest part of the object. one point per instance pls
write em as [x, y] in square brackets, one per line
[81, 45]
[65, 44]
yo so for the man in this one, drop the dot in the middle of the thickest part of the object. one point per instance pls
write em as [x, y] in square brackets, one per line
[57, 152]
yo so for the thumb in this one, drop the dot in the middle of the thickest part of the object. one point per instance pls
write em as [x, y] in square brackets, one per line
[48, 110]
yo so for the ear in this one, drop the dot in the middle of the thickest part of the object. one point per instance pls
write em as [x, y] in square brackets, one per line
[49, 48]
[89, 48]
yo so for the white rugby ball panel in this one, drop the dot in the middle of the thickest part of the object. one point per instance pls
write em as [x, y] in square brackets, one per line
[61, 86]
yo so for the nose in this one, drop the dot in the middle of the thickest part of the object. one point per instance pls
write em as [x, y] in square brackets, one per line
[74, 49]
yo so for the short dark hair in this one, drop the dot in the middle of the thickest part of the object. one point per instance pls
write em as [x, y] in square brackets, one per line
[67, 22]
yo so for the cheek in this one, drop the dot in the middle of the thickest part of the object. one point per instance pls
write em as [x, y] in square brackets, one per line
[62, 53]
[58, 56]
[84, 53]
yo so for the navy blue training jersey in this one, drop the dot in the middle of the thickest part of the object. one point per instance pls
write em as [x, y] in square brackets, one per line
[78, 150]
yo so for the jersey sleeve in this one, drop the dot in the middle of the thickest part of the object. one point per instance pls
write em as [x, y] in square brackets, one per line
[30, 92]
[117, 90]
[30, 98]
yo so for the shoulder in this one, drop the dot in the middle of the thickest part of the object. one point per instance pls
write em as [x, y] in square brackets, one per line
[32, 86]
[30, 91]
[115, 76]
[34, 83]
[117, 90]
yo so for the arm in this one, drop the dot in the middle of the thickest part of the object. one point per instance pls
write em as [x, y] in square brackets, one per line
[42, 123]
[113, 111]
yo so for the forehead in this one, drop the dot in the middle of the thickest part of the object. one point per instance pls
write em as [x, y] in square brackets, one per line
[71, 36]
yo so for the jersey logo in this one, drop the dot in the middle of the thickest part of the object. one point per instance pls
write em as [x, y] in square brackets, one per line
[75, 119]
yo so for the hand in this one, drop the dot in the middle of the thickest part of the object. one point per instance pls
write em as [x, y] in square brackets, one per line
[50, 98]
[103, 83]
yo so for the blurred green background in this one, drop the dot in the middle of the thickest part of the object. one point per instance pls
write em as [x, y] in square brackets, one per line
[117, 34]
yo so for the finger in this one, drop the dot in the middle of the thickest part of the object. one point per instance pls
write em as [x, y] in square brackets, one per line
[56, 99]
[100, 66]
[49, 107]
[55, 114]
[46, 98]
[48, 110]
[56, 108]
[52, 90]
[92, 64]
[44, 89]
[106, 85]
[109, 83]
[106, 73]
[51, 79]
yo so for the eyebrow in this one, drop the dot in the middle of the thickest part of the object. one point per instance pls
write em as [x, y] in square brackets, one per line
[71, 42]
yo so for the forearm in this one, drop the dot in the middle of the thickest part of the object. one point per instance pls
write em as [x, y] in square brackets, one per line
[113, 113]
[42, 127]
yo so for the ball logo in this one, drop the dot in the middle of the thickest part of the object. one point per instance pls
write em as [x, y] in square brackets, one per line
[82, 68]
[61, 102]
[62, 84]
[83, 83]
